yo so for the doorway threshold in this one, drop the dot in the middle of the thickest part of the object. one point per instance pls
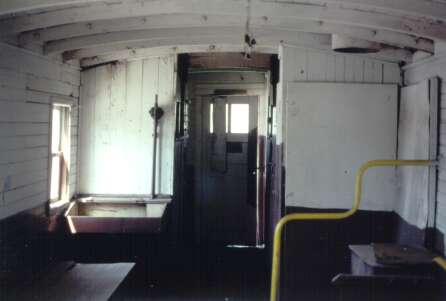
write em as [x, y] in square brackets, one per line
[246, 246]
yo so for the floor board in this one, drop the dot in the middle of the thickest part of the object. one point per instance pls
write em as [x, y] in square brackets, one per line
[200, 274]
[77, 282]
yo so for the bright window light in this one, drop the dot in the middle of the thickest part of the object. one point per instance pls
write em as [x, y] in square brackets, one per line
[55, 178]
[60, 153]
[211, 118]
[239, 118]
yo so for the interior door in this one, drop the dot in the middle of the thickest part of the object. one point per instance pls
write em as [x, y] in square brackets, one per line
[229, 203]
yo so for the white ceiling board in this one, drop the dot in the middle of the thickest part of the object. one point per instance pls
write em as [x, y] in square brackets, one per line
[264, 39]
[411, 25]
[169, 33]
[193, 20]
[19, 6]
[131, 23]
[174, 43]
[101, 55]
[422, 8]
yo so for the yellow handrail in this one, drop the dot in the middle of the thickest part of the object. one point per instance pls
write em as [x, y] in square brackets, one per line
[334, 216]
[441, 262]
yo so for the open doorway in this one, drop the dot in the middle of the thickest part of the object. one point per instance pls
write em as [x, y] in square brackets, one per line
[224, 128]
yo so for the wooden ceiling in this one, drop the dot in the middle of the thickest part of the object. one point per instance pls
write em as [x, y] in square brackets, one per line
[96, 31]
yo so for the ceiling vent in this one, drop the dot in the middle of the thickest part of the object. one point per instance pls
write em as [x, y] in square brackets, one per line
[345, 44]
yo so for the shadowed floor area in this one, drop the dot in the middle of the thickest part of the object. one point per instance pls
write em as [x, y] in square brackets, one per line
[73, 282]
[199, 274]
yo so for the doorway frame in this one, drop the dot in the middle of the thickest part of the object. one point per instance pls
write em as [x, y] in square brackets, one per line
[262, 92]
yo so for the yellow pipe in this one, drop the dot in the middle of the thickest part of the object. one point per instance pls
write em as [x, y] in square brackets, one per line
[275, 274]
[441, 262]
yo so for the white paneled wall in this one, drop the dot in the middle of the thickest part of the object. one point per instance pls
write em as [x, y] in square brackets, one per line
[332, 129]
[116, 129]
[416, 73]
[29, 83]
[300, 65]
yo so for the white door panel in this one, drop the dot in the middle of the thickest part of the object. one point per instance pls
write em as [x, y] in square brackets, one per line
[331, 129]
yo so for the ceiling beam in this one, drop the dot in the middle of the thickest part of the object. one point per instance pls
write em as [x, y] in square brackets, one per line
[413, 26]
[280, 11]
[264, 38]
[421, 8]
[136, 36]
[132, 23]
[391, 55]
[136, 54]
[216, 60]
[192, 20]
[11, 7]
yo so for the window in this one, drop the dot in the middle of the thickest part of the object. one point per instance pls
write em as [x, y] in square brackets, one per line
[239, 118]
[211, 118]
[236, 118]
[60, 153]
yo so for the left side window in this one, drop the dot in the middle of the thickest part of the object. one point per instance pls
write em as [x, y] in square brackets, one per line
[60, 153]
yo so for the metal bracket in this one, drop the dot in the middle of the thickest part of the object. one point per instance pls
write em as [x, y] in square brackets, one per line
[158, 112]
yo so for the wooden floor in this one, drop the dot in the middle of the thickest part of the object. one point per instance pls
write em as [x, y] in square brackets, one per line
[205, 274]
[76, 282]
[191, 274]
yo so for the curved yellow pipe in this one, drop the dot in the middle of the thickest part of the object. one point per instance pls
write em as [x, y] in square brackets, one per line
[441, 262]
[275, 274]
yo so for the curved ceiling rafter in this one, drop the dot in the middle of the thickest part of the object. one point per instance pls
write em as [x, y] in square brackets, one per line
[101, 27]
[11, 7]
[408, 24]
[189, 20]
[140, 53]
[212, 36]
[421, 8]
[266, 40]
[162, 34]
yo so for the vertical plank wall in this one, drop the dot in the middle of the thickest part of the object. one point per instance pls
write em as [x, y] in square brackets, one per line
[299, 65]
[416, 73]
[116, 129]
[28, 85]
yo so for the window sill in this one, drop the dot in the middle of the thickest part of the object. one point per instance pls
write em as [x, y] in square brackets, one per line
[58, 207]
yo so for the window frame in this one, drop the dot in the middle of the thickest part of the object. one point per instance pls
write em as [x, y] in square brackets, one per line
[62, 152]
[228, 118]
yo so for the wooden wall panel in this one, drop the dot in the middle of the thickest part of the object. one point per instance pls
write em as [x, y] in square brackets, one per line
[116, 129]
[416, 73]
[29, 83]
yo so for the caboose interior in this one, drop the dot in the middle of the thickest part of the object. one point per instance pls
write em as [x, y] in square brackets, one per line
[222, 150]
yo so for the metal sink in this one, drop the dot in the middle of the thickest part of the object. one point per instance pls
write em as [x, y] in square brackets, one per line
[116, 215]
